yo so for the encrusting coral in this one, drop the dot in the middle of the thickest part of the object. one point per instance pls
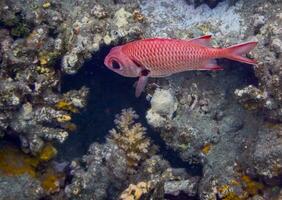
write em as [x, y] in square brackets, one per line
[135, 192]
[130, 137]
[14, 162]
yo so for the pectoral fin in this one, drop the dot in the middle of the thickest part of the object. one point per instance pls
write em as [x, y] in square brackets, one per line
[141, 83]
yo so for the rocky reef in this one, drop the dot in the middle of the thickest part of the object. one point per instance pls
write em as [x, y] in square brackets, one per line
[127, 157]
[228, 123]
[197, 114]
[39, 41]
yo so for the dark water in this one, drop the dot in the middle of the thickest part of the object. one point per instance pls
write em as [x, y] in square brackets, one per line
[109, 94]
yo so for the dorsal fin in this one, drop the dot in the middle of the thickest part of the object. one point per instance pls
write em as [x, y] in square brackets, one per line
[203, 40]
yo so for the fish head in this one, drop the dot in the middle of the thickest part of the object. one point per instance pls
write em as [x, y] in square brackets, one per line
[121, 63]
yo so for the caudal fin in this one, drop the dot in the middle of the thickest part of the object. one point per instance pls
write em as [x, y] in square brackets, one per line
[238, 52]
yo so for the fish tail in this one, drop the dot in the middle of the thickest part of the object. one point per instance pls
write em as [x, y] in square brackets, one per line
[238, 52]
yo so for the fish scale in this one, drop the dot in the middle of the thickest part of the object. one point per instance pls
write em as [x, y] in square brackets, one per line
[168, 59]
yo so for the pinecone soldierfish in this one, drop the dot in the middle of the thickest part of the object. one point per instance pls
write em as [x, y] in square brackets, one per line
[159, 57]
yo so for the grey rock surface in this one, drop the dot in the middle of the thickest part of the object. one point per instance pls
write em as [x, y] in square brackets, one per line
[188, 187]
[105, 172]
[21, 187]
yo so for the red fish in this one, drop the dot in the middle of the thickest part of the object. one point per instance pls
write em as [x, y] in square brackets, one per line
[159, 57]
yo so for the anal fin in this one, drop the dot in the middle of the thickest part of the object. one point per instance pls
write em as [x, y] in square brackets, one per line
[211, 65]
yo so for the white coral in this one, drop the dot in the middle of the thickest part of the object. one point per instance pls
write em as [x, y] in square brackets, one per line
[163, 105]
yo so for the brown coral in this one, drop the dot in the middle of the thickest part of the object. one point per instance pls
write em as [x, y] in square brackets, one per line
[130, 137]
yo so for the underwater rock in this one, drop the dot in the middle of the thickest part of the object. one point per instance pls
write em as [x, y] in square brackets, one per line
[20, 187]
[268, 71]
[188, 187]
[265, 155]
[183, 21]
[106, 170]
[210, 3]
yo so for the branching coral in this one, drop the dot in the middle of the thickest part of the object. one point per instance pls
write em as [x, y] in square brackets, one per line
[130, 137]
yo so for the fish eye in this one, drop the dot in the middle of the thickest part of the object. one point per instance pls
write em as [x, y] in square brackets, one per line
[115, 65]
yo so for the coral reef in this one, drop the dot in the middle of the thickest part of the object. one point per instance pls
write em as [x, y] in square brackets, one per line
[208, 126]
[188, 187]
[13, 162]
[187, 22]
[34, 36]
[267, 31]
[29, 81]
[124, 163]
[108, 165]
[94, 24]
[39, 41]
[228, 122]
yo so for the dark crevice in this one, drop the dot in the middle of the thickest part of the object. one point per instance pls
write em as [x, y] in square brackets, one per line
[109, 94]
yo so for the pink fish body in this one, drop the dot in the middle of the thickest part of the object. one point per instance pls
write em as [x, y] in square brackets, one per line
[161, 57]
